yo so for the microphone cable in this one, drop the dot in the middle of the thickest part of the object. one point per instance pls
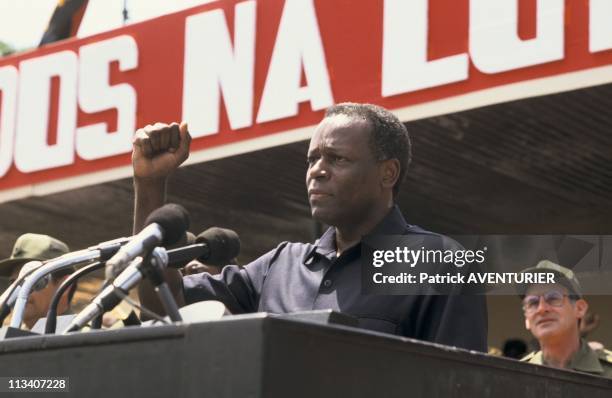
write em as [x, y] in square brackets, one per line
[51, 323]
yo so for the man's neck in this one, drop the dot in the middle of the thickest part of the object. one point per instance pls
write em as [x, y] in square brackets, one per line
[558, 353]
[348, 236]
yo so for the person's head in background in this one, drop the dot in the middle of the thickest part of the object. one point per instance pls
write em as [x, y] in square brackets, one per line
[35, 247]
[553, 312]
[514, 348]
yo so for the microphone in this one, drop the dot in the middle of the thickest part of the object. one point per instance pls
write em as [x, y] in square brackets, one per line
[215, 246]
[223, 246]
[109, 248]
[165, 226]
[113, 294]
[110, 296]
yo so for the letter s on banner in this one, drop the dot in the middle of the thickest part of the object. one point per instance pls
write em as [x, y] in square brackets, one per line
[8, 98]
[95, 95]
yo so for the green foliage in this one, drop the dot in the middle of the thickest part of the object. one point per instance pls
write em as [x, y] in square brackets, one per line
[6, 49]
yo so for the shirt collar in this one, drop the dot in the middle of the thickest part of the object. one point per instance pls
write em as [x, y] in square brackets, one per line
[392, 224]
[537, 358]
[586, 360]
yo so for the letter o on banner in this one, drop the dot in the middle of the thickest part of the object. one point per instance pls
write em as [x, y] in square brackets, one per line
[32, 152]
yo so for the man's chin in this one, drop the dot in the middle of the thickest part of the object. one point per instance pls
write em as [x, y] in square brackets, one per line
[546, 330]
[322, 215]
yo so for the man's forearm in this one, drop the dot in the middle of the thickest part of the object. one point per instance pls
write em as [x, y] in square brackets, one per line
[149, 194]
[158, 150]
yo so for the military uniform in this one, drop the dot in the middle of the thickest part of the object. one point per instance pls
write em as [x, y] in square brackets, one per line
[585, 360]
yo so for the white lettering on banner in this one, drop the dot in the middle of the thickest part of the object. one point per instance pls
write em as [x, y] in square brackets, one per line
[212, 66]
[32, 152]
[8, 97]
[600, 25]
[494, 42]
[405, 67]
[95, 95]
[220, 65]
[298, 44]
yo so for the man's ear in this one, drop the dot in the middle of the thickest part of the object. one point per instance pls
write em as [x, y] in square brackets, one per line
[390, 171]
[527, 324]
[581, 308]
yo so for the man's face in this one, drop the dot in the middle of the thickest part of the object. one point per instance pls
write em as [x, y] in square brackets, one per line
[343, 177]
[546, 320]
[38, 301]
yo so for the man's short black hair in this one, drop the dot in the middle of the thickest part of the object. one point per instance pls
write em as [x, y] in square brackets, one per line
[389, 137]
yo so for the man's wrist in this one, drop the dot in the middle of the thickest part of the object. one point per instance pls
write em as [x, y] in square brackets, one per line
[150, 182]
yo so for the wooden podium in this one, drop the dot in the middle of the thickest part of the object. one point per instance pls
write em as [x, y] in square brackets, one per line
[260, 355]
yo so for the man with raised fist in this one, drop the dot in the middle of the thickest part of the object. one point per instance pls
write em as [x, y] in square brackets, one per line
[357, 160]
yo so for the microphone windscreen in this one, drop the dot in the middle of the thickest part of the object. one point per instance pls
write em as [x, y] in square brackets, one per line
[190, 238]
[174, 220]
[223, 245]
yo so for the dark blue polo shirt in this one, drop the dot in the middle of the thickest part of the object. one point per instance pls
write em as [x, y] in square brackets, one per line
[304, 276]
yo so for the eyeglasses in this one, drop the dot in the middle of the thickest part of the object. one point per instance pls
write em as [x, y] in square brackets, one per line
[552, 298]
[40, 284]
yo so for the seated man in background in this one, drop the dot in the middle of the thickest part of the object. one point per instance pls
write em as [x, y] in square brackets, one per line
[552, 314]
[35, 247]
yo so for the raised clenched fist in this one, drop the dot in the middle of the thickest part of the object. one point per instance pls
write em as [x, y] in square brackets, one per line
[159, 149]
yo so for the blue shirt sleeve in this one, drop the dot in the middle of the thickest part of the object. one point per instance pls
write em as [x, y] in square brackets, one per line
[238, 288]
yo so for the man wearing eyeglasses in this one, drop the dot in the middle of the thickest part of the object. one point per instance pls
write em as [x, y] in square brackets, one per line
[553, 313]
[36, 247]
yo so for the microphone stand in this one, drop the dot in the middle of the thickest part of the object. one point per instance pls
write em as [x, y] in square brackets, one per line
[62, 262]
[153, 268]
[9, 296]
[104, 251]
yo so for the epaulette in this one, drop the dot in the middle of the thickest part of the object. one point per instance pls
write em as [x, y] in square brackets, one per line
[528, 356]
[605, 355]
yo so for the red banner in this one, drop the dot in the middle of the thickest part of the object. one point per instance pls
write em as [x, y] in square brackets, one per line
[253, 74]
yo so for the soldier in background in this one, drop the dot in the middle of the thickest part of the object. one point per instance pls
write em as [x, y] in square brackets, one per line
[35, 247]
[553, 314]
